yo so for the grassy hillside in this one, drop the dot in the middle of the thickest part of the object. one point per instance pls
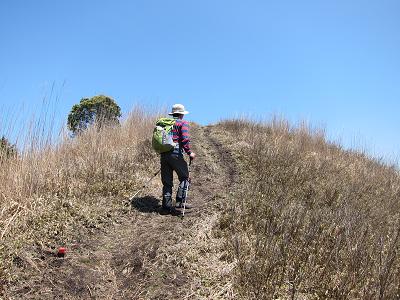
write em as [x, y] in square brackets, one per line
[310, 220]
[279, 213]
[54, 194]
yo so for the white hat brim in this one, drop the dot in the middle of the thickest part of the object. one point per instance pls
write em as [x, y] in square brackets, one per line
[179, 112]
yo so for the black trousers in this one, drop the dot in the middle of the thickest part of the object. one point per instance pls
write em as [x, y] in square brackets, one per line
[171, 162]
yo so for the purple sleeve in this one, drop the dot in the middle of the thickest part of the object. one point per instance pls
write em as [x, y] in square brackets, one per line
[185, 137]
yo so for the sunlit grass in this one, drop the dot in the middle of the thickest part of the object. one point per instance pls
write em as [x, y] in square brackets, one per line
[311, 220]
[52, 188]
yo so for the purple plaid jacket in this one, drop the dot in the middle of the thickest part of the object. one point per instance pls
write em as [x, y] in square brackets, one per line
[181, 136]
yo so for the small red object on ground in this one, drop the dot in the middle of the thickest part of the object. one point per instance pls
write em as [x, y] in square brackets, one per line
[61, 252]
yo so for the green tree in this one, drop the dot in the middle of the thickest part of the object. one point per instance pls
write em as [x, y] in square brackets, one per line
[6, 149]
[100, 110]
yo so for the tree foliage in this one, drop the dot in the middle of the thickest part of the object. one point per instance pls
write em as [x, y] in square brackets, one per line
[6, 148]
[100, 110]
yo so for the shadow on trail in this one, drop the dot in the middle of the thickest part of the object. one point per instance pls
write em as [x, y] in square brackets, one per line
[150, 204]
[146, 204]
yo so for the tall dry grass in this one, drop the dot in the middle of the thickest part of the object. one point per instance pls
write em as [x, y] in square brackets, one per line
[311, 220]
[50, 191]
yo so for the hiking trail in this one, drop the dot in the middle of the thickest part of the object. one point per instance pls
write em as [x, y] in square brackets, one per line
[148, 254]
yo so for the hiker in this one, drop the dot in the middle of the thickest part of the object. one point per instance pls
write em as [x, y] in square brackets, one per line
[173, 160]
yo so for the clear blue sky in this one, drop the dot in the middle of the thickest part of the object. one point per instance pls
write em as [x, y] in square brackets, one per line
[334, 63]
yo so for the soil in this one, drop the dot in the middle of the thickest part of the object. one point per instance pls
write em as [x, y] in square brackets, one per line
[147, 253]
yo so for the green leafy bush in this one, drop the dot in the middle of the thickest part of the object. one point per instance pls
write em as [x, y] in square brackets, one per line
[100, 110]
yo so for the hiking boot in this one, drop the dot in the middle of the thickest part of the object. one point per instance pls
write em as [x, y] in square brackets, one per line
[164, 207]
[167, 201]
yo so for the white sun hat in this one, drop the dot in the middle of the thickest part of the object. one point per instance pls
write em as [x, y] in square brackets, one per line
[178, 109]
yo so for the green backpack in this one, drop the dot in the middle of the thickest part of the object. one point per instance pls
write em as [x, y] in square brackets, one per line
[162, 135]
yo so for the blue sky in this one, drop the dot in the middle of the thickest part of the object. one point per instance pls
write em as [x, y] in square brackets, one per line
[333, 63]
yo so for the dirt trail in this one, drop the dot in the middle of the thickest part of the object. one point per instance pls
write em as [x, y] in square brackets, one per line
[149, 255]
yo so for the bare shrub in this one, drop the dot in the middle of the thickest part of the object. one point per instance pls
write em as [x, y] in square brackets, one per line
[312, 220]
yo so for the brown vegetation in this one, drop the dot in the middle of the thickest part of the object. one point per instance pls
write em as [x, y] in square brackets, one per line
[311, 221]
[279, 213]
[116, 249]
[50, 194]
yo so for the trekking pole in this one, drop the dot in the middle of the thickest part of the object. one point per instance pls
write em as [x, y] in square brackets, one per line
[186, 190]
[144, 185]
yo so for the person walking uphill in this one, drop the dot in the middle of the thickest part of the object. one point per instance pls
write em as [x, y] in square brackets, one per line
[172, 141]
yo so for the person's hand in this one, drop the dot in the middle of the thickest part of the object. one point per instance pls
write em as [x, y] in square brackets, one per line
[192, 156]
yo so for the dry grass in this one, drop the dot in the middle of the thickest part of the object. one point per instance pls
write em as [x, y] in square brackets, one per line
[49, 193]
[311, 221]
[306, 220]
